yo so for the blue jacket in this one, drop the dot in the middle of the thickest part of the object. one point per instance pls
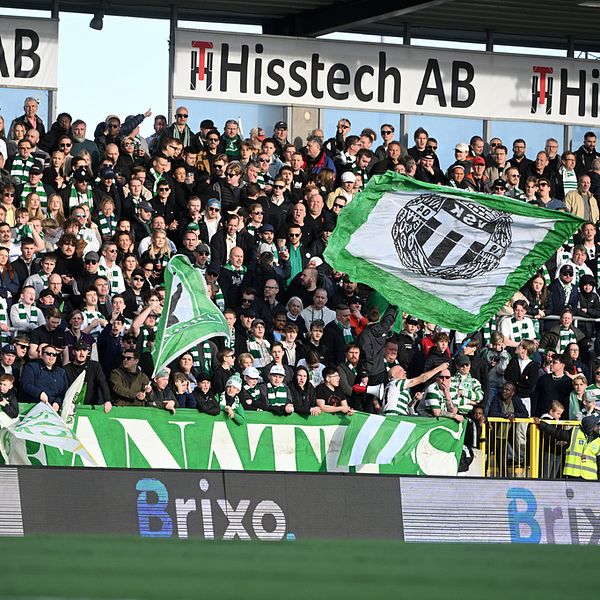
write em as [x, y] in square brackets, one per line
[37, 378]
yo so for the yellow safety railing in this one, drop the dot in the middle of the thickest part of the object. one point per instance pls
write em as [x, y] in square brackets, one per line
[516, 448]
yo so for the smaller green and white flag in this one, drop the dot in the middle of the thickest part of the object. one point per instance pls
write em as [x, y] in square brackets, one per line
[75, 396]
[42, 424]
[448, 256]
[417, 445]
[189, 316]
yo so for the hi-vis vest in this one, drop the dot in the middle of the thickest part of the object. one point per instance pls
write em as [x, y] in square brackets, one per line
[580, 460]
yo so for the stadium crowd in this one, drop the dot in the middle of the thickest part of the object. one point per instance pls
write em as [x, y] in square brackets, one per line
[89, 222]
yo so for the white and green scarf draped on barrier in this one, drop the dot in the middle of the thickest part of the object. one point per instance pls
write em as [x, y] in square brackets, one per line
[448, 256]
[189, 315]
[133, 437]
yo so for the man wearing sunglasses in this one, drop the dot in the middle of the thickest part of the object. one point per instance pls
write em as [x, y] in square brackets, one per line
[128, 384]
[43, 380]
[441, 398]
[179, 129]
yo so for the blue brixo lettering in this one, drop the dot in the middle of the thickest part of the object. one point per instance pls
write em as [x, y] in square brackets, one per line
[524, 529]
[148, 510]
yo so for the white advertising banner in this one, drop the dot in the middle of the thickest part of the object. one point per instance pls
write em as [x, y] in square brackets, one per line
[386, 78]
[29, 53]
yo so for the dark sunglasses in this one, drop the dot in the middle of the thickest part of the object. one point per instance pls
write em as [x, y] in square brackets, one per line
[181, 116]
[386, 131]
[279, 187]
[339, 206]
[55, 354]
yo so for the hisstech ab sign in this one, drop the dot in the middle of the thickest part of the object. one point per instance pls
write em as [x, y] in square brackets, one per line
[391, 78]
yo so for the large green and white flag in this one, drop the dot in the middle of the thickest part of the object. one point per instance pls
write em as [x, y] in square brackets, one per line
[416, 445]
[448, 256]
[189, 315]
[43, 425]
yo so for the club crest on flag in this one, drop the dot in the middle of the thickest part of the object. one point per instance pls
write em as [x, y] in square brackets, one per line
[450, 237]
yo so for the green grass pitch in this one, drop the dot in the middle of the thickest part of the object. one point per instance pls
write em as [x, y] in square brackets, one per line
[82, 567]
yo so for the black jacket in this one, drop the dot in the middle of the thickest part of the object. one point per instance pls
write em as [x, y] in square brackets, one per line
[94, 379]
[371, 342]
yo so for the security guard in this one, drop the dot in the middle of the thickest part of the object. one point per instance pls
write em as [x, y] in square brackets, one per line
[583, 454]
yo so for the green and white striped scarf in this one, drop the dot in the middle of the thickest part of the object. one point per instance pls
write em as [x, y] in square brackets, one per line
[253, 392]
[220, 300]
[259, 351]
[31, 316]
[39, 190]
[112, 275]
[20, 169]
[276, 396]
[157, 179]
[4, 335]
[230, 339]
[351, 368]
[90, 315]
[488, 329]
[75, 198]
[22, 231]
[519, 328]
[346, 331]
[107, 224]
[566, 336]
[569, 180]
[206, 363]
[220, 398]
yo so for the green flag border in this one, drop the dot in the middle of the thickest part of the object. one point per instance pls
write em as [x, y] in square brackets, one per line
[410, 298]
[163, 352]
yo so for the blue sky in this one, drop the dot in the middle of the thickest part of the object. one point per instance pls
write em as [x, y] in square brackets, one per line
[123, 70]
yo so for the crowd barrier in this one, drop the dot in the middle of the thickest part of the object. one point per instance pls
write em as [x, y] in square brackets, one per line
[516, 448]
[217, 505]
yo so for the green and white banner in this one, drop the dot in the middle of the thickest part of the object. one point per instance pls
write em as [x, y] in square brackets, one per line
[448, 256]
[415, 444]
[149, 438]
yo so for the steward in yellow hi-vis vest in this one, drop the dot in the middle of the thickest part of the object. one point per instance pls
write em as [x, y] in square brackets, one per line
[583, 453]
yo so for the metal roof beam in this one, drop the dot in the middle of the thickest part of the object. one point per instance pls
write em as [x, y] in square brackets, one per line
[339, 17]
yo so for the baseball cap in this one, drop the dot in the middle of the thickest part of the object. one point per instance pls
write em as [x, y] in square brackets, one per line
[146, 206]
[106, 173]
[82, 345]
[203, 248]
[411, 320]
[207, 124]
[280, 125]
[252, 372]
[91, 256]
[457, 166]
[9, 349]
[80, 175]
[277, 370]
[462, 147]
[267, 227]
[348, 177]
[499, 183]
[213, 269]
[461, 360]
[428, 154]
[478, 160]
[35, 170]
[213, 202]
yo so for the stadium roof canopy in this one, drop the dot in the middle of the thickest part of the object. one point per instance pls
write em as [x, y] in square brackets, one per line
[567, 24]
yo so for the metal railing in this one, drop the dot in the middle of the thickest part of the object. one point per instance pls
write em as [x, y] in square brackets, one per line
[516, 448]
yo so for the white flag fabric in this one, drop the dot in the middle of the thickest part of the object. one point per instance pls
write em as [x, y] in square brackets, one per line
[448, 256]
[42, 424]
